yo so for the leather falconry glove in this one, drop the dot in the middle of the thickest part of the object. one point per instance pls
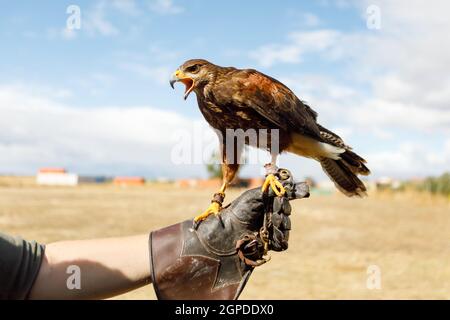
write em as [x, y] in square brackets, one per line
[215, 259]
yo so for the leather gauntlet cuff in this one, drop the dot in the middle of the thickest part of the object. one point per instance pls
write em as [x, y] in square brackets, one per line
[184, 268]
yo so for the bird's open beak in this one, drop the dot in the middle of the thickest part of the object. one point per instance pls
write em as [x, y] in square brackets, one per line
[187, 81]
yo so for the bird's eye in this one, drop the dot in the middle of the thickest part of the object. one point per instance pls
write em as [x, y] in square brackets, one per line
[193, 69]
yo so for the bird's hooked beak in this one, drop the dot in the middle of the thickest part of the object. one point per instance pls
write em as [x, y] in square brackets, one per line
[187, 81]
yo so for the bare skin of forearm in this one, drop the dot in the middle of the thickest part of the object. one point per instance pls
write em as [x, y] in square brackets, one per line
[107, 267]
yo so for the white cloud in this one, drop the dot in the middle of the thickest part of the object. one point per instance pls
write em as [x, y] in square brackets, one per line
[165, 7]
[126, 6]
[104, 78]
[410, 159]
[37, 131]
[96, 23]
[68, 34]
[406, 61]
[95, 83]
[53, 33]
[159, 74]
[298, 44]
[310, 20]
[100, 18]
[160, 53]
[315, 85]
[396, 88]
[390, 114]
[96, 19]
[303, 19]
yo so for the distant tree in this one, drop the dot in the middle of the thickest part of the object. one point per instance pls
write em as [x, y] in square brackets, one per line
[213, 166]
[437, 185]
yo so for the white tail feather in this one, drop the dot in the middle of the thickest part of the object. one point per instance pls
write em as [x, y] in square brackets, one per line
[309, 147]
[331, 151]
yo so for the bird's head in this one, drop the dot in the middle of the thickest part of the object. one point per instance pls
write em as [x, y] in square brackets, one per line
[194, 74]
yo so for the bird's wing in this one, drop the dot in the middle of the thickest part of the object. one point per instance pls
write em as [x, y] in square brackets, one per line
[269, 98]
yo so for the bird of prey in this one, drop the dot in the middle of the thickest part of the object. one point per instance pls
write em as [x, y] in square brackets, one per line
[231, 98]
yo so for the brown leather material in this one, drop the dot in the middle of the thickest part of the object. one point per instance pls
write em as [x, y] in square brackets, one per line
[183, 269]
[168, 241]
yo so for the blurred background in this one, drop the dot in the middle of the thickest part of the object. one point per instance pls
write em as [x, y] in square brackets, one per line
[90, 128]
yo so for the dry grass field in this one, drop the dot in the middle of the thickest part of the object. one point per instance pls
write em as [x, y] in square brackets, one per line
[333, 242]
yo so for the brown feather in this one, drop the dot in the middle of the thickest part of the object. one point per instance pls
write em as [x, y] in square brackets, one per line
[344, 179]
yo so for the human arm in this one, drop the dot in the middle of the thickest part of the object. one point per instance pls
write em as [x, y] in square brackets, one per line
[105, 267]
[108, 267]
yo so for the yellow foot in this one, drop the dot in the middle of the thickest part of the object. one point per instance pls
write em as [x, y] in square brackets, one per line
[276, 185]
[214, 208]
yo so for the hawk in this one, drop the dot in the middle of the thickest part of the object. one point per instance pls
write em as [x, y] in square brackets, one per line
[231, 98]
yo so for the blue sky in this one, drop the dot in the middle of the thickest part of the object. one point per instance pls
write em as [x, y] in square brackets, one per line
[208, 29]
[97, 99]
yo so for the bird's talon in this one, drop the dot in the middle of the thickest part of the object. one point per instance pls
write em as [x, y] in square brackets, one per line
[276, 185]
[214, 208]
